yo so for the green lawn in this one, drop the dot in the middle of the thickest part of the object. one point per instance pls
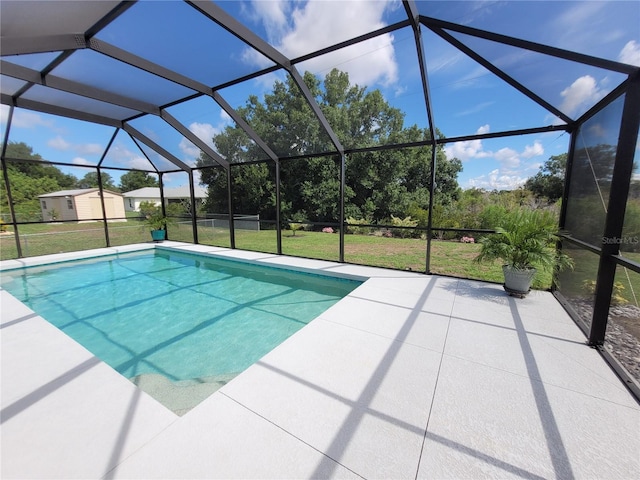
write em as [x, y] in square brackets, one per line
[447, 258]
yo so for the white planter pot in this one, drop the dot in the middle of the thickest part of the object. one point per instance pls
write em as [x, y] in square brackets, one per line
[517, 282]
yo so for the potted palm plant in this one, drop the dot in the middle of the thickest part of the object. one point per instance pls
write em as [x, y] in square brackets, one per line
[157, 223]
[525, 241]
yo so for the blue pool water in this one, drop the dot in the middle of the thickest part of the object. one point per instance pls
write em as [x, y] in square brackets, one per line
[183, 316]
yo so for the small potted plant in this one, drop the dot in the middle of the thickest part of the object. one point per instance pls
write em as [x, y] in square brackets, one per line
[157, 223]
[526, 242]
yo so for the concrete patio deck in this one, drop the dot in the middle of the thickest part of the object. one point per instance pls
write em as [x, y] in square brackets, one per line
[410, 376]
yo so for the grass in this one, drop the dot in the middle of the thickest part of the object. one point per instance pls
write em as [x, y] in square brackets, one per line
[447, 257]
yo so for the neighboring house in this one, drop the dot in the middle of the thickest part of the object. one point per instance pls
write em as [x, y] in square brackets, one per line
[81, 205]
[134, 198]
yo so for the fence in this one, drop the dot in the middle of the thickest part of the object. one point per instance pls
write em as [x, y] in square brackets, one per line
[240, 222]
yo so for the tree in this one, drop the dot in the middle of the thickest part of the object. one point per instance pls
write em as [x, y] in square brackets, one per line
[20, 150]
[90, 180]
[549, 181]
[136, 179]
[30, 178]
[379, 184]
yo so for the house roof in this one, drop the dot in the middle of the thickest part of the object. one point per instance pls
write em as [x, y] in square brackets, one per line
[74, 193]
[169, 192]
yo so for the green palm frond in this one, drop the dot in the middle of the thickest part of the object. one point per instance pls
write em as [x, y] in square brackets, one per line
[525, 239]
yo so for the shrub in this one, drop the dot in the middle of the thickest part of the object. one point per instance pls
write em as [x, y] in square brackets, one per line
[617, 296]
[148, 209]
[354, 229]
[327, 230]
[404, 222]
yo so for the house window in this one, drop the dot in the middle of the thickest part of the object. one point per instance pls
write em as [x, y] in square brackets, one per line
[69, 204]
[130, 203]
[44, 204]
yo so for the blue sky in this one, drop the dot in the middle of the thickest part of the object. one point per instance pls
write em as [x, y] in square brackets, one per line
[466, 98]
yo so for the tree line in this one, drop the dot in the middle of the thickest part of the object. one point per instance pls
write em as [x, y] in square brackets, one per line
[379, 183]
[383, 186]
[29, 179]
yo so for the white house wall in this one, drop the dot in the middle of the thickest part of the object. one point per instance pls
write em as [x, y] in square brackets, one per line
[135, 201]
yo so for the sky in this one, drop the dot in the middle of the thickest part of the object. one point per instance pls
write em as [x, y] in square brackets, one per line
[466, 98]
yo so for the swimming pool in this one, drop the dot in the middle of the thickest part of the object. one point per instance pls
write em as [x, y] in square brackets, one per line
[185, 317]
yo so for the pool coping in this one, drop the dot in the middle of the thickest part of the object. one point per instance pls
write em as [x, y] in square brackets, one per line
[399, 379]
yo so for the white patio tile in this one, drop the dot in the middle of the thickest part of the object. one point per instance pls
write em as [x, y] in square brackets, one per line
[487, 423]
[222, 439]
[428, 294]
[553, 360]
[79, 427]
[427, 330]
[518, 394]
[487, 311]
[64, 412]
[29, 340]
[360, 398]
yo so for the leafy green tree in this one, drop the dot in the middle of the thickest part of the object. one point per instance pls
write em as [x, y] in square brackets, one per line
[136, 179]
[90, 180]
[549, 181]
[379, 184]
[28, 180]
[20, 150]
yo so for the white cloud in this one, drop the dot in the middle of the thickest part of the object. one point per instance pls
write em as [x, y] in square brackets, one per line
[468, 149]
[188, 149]
[253, 57]
[25, 119]
[89, 148]
[59, 143]
[301, 28]
[119, 154]
[597, 130]
[511, 170]
[584, 92]
[573, 19]
[197, 177]
[508, 158]
[483, 129]
[494, 180]
[534, 150]
[226, 118]
[81, 161]
[630, 53]
[272, 13]
[464, 150]
[206, 131]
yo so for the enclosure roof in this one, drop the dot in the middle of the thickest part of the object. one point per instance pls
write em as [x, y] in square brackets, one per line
[137, 67]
